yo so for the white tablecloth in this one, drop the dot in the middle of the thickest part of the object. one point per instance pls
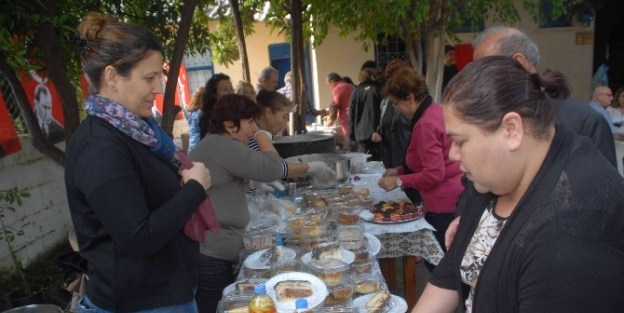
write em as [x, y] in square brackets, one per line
[414, 238]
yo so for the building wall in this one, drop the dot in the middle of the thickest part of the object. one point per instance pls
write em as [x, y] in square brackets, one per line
[336, 54]
[46, 209]
[558, 49]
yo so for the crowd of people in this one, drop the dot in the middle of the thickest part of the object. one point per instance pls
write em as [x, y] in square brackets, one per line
[517, 177]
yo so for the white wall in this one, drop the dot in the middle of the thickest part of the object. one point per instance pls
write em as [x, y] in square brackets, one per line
[46, 209]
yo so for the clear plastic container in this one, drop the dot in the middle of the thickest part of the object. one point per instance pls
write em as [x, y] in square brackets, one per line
[261, 302]
[363, 267]
[286, 266]
[238, 303]
[340, 295]
[330, 271]
[350, 237]
[257, 240]
[365, 284]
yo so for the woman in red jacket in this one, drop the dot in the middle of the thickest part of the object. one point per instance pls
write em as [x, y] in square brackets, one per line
[431, 172]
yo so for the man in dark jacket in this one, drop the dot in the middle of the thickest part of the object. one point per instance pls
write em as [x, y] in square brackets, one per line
[365, 113]
[572, 113]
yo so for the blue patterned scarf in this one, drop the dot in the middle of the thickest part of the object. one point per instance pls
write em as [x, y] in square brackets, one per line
[143, 130]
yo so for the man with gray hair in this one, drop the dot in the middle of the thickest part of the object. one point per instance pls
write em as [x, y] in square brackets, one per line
[50, 128]
[572, 113]
[267, 79]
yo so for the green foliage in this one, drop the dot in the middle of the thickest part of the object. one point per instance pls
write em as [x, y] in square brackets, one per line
[8, 199]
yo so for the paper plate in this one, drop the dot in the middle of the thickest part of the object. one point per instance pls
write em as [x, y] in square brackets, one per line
[318, 286]
[254, 261]
[232, 287]
[346, 255]
[397, 304]
[374, 245]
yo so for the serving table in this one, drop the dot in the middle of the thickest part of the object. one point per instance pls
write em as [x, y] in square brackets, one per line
[405, 240]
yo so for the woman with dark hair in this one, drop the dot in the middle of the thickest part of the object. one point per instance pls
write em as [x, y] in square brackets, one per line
[427, 168]
[216, 87]
[394, 128]
[365, 112]
[542, 223]
[123, 178]
[225, 151]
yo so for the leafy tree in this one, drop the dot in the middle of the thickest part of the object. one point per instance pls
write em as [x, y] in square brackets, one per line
[416, 21]
[38, 34]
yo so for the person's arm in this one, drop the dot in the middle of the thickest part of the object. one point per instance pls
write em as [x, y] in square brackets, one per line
[352, 114]
[330, 120]
[107, 176]
[436, 300]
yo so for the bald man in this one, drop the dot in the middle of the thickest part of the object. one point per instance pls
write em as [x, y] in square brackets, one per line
[572, 113]
[601, 99]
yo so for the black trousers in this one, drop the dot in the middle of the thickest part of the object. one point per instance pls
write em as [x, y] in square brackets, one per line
[214, 276]
[441, 222]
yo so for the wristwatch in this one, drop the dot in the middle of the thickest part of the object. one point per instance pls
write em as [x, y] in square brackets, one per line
[399, 182]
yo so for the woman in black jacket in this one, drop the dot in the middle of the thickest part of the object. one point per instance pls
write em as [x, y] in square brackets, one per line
[543, 213]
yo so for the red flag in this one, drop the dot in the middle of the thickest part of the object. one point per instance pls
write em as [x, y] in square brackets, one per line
[9, 142]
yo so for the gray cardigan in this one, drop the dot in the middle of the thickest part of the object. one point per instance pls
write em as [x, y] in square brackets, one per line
[231, 163]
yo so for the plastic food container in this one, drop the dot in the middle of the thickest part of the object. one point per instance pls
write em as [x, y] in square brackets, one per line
[238, 303]
[257, 240]
[330, 271]
[340, 295]
[365, 284]
[286, 266]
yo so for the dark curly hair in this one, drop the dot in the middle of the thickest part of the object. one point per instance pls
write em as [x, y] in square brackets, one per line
[231, 108]
[208, 101]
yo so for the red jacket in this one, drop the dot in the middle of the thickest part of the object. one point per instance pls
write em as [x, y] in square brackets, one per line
[436, 177]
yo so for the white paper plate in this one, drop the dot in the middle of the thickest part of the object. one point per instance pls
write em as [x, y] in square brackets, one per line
[346, 255]
[254, 261]
[397, 304]
[232, 287]
[318, 286]
[374, 245]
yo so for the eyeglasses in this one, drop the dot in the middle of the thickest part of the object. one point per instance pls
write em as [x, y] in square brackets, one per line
[606, 94]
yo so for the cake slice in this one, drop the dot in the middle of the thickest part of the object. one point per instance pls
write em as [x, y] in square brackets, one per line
[290, 290]
[378, 303]
[273, 255]
[327, 251]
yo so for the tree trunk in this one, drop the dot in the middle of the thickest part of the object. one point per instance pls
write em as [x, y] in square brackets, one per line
[242, 46]
[46, 148]
[170, 110]
[436, 92]
[48, 42]
[296, 55]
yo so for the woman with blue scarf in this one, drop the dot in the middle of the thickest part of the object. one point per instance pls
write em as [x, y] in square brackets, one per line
[132, 195]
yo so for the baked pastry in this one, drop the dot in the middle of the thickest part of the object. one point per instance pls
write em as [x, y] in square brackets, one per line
[362, 268]
[273, 255]
[350, 234]
[313, 230]
[348, 218]
[361, 192]
[396, 211]
[245, 286]
[330, 271]
[361, 256]
[339, 295]
[378, 302]
[327, 251]
[366, 286]
[290, 290]
[345, 190]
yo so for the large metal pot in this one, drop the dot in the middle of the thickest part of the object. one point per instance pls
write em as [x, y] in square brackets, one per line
[337, 162]
[36, 308]
[288, 146]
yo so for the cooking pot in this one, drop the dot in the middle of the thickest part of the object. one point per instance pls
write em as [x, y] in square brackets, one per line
[337, 162]
[288, 146]
[36, 308]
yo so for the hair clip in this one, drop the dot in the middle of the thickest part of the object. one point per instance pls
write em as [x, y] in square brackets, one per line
[84, 44]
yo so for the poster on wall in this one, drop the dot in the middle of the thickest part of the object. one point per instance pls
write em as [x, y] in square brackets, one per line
[9, 141]
[182, 94]
[46, 104]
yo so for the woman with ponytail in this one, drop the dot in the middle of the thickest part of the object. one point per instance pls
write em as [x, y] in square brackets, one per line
[542, 214]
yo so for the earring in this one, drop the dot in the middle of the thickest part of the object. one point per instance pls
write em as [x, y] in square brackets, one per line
[113, 88]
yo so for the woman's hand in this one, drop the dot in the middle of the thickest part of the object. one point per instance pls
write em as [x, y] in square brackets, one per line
[198, 172]
[376, 137]
[388, 183]
[390, 172]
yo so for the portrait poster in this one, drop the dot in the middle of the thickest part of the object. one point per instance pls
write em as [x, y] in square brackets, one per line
[46, 104]
[9, 141]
